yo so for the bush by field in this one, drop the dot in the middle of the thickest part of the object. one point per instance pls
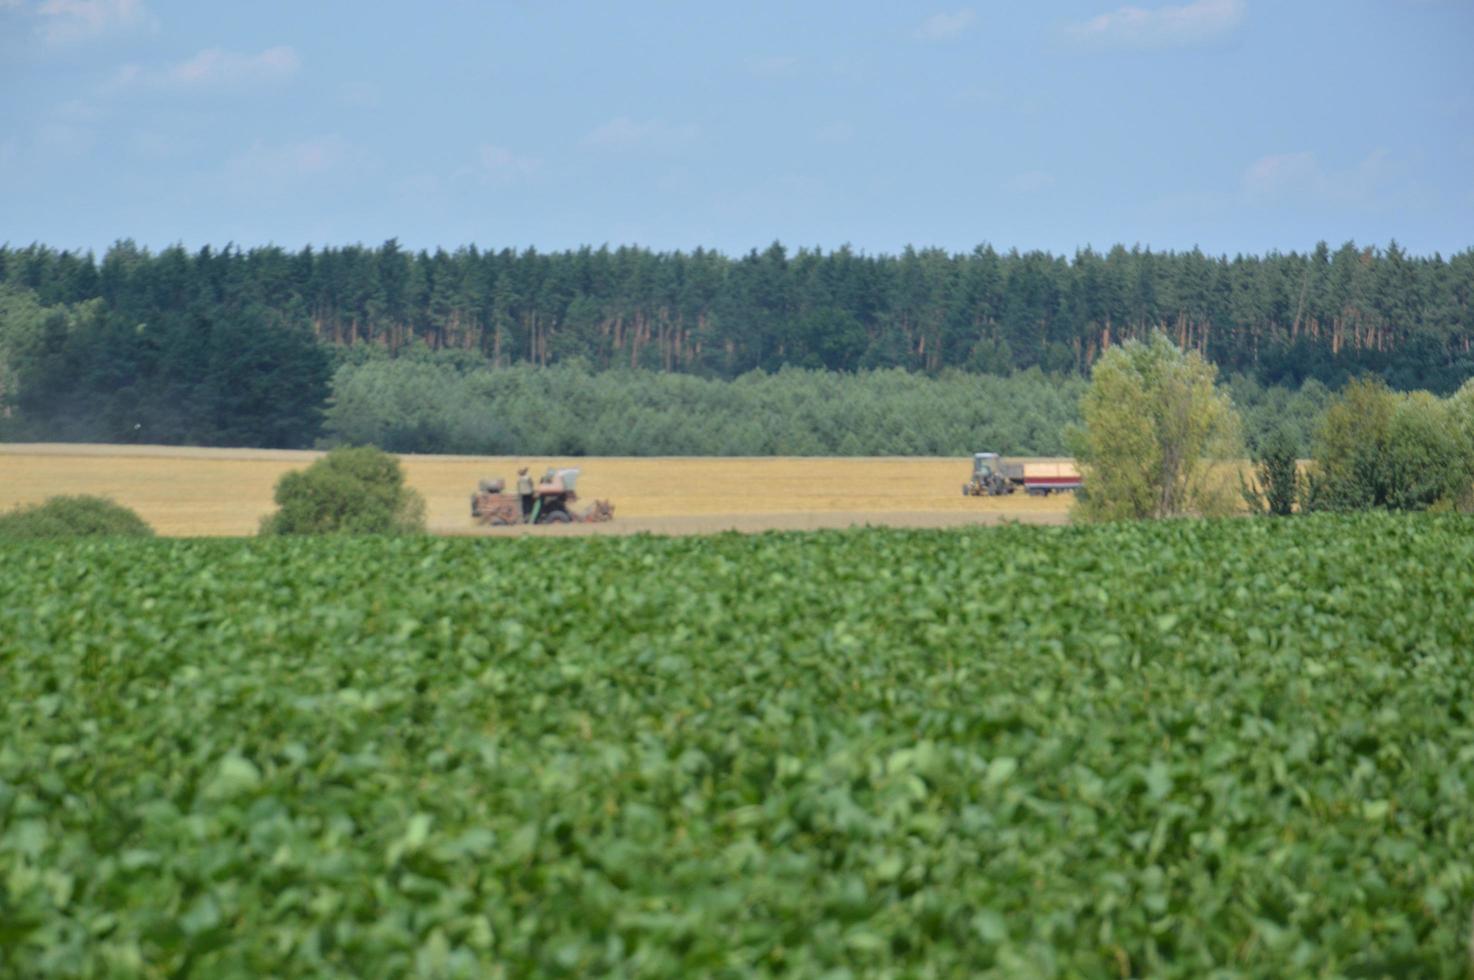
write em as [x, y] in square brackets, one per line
[1376, 447]
[352, 490]
[1178, 749]
[73, 517]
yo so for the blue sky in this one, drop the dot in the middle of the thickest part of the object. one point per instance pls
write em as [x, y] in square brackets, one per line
[1233, 125]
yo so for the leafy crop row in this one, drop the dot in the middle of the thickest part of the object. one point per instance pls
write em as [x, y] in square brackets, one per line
[1180, 749]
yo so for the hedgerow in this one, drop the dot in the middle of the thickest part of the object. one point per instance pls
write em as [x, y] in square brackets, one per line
[1174, 749]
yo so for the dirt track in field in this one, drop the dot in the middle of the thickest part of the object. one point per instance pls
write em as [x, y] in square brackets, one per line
[187, 492]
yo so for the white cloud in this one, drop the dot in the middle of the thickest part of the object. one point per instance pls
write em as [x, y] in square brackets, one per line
[1272, 175]
[266, 165]
[1300, 177]
[500, 163]
[1031, 182]
[215, 68]
[65, 21]
[623, 133]
[1161, 27]
[945, 27]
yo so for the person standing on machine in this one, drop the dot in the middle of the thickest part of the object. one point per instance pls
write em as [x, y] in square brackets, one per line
[525, 491]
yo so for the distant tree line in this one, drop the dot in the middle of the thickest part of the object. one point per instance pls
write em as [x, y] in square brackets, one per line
[238, 347]
[445, 402]
[424, 404]
[1282, 318]
[220, 375]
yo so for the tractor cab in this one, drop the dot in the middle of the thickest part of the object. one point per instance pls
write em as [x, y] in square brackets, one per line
[984, 465]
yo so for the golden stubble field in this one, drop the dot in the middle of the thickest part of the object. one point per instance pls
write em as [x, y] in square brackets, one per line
[186, 492]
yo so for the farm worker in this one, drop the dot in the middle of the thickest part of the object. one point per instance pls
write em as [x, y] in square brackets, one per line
[551, 482]
[525, 491]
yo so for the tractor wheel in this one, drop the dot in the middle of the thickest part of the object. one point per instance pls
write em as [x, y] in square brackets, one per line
[557, 517]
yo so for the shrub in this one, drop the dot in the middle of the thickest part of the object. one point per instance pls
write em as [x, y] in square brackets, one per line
[353, 490]
[73, 517]
[1376, 448]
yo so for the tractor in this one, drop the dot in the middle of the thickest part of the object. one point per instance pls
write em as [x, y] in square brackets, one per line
[992, 477]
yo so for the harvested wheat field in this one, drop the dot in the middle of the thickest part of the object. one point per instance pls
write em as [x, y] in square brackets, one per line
[187, 492]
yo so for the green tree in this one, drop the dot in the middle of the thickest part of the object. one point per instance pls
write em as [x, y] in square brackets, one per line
[1352, 449]
[1277, 486]
[352, 490]
[1376, 448]
[1461, 409]
[23, 327]
[1156, 438]
[1433, 460]
[1461, 404]
[264, 382]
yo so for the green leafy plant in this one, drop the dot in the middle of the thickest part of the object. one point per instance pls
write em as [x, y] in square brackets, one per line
[353, 490]
[1168, 749]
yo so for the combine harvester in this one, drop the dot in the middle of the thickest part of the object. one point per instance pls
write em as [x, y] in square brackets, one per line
[992, 476]
[490, 504]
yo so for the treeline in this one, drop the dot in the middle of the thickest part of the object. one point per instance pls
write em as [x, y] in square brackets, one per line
[1281, 318]
[424, 404]
[207, 375]
[245, 378]
[442, 402]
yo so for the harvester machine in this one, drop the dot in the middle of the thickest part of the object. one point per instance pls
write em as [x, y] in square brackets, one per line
[549, 503]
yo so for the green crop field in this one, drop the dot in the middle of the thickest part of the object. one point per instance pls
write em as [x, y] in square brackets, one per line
[1187, 749]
